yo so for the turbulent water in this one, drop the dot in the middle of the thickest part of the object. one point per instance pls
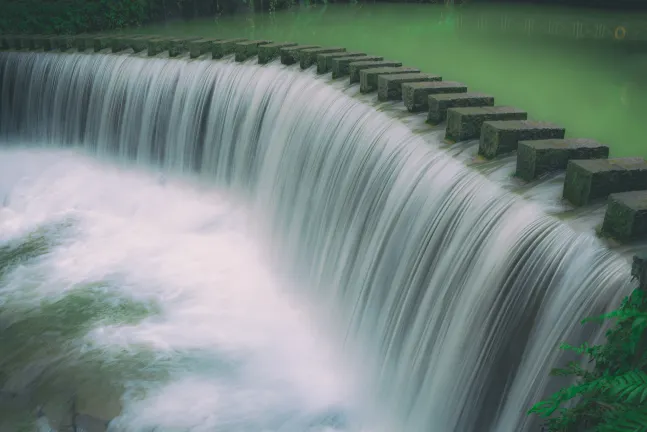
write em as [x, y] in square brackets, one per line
[253, 250]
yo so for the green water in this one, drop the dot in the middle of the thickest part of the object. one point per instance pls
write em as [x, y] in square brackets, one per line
[592, 87]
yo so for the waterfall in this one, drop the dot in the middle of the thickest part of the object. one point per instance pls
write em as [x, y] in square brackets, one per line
[454, 293]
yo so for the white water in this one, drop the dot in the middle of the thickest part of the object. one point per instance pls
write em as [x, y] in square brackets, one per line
[449, 292]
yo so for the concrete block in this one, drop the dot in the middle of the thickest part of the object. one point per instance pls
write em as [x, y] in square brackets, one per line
[416, 94]
[139, 43]
[81, 42]
[26, 42]
[639, 269]
[389, 87]
[535, 158]
[6, 42]
[62, 43]
[49, 43]
[179, 46]
[591, 179]
[290, 54]
[119, 43]
[440, 103]
[200, 47]
[368, 77]
[360, 65]
[503, 136]
[101, 42]
[308, 57]
[158, 45]
[340, 65]
[324, 61]
[267, 53]
[224, 47]
[626, 216]
[465, 123]
[248, 49]
[39, 42]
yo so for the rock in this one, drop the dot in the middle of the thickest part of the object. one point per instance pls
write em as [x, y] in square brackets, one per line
[324, 61]
[591, 179]
[626, 216]
[389, 87]
[465, 123]
[290, 54]
[248, 49]
[440, 103]
[368, 77]
[535, 158]
[502, 136]
[224, 47]
[416, 94]
[200, 47]
[267, 53]
[340, 65]
[308, 57]
[357, 66]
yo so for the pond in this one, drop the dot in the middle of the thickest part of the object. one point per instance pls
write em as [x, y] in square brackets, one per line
[593, 84]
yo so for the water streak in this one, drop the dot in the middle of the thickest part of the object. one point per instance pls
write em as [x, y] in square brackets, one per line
[453, 293]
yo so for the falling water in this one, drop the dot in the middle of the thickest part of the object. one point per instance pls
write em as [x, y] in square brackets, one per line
[450, 294]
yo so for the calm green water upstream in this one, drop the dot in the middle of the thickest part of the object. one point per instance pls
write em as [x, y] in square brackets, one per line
[592, 87]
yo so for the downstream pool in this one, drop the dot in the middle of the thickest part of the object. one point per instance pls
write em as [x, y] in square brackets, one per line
[596, 88]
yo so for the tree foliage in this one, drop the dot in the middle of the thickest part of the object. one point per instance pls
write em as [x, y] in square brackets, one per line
[611, 394]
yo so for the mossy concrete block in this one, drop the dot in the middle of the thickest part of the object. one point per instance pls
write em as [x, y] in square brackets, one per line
[119, 43]
[466, 123]
[6, 42]
[101, 43]
[591, 179]
[180, 46]
[502, 136]
[39, 42]
[290, 54]
[62, 43]
[390, 87]
[139, 43]
[200, 47]
[224, 47]
[267, 53]
[25, 42]
[248, 49]
[340, 65]
[49, 43]
[416, 94]
[324, 61]
[360, 65]
[639, 269]
[440, 103]
[626, 216]
[535, 158]
[158, 45]
[368, 77]
[308, 57]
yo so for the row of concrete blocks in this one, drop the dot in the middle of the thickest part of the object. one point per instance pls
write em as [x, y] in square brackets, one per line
[541, 147]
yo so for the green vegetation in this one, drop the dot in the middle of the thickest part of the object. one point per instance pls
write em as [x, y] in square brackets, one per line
[612, 395]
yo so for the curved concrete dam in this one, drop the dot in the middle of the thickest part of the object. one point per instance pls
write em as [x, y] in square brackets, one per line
[190, 244]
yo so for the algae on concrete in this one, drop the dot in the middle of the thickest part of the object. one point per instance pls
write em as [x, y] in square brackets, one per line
[248, 49]
[389, 87]
[626, 216]
[368, 77]
[200, 47]
[308, 57]
[340, 65]
[440, 103]
[290, 54]
[324, 61]
[592, 179]
[221, 48]
[267, 53]
[465, 123]
[416, 94]
[357, 66]
[535, 158]
[502, 136]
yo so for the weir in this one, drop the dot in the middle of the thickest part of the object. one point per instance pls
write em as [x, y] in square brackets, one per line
[453, 292]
